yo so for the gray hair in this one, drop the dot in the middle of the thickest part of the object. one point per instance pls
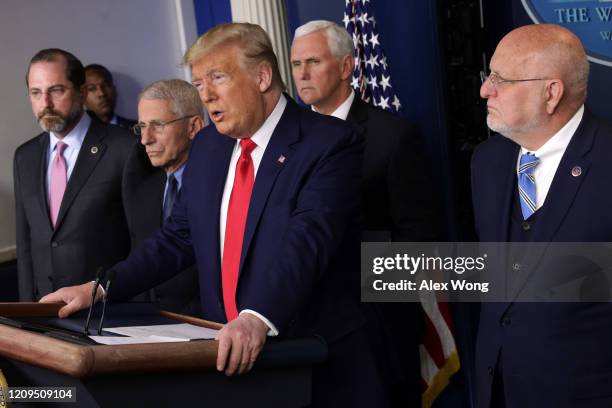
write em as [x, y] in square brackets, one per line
[338, 39]
[183, 97]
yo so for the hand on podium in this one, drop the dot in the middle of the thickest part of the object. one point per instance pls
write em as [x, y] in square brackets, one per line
[76, 298]
[240, 342]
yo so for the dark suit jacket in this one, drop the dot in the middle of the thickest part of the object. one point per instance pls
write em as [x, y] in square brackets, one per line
[397, 192]
[125, 122]
[300, 257]
[143, 196]
[91, 229]
[554, 355]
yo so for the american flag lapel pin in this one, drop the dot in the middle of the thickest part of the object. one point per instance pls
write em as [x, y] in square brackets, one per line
[281, 159]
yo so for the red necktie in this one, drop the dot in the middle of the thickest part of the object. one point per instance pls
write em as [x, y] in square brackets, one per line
[57, 181]
[234, 228]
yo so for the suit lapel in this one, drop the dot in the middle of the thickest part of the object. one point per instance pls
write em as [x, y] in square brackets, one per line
[560, 196]
[216, 178]
[285, 134]
[91, 152]
[507, 174]
[155, 197]
[42, 183]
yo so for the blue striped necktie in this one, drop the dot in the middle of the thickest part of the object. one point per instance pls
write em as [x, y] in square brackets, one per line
[526, 184]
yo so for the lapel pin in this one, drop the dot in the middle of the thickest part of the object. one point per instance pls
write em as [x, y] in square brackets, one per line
[576, 171]
[281, 159]
[94, 150]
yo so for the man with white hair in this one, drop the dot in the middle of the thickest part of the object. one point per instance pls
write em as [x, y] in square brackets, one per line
[396, 194]
[545, 179]
[170, 114]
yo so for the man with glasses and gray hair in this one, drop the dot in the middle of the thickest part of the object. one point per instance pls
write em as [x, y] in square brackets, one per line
[544, 178]
[170, 114]
[69, 213]
[397, 202]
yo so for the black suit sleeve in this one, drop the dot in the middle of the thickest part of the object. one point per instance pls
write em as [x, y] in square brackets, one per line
[24, 258]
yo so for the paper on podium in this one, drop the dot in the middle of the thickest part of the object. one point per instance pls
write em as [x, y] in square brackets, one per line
[115, 340]
[184, 331]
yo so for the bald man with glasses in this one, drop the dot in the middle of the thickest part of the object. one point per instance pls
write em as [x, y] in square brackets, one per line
[544, 178]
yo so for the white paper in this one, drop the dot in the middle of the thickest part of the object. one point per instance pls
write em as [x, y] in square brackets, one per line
[113, 340]
[180, 331]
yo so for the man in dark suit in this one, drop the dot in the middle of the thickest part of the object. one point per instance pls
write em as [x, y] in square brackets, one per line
[102, 96]
[396, 197]
[546, 179]
[268, 209]
[170, 114]
[69, 215]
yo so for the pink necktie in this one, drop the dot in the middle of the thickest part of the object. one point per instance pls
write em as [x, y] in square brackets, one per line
[58, 181]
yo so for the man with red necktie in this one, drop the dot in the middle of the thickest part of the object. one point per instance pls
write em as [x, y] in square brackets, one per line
[269, 210]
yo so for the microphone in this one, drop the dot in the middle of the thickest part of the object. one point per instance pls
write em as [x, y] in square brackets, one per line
[109, 279]
[99, 276]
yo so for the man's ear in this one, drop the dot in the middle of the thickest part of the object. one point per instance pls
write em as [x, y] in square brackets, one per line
[264, 76]
[553, 94]
[347, 65]
[195, 125]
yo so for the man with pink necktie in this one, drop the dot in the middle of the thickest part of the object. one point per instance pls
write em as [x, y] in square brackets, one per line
[69, 215]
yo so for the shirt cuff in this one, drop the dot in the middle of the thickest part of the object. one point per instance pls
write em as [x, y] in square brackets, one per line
[100, 286]
[272, 332]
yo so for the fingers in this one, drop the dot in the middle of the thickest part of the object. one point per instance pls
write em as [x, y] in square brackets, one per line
[239, 347]
[51, 298]
[75, 297]
[225, 345]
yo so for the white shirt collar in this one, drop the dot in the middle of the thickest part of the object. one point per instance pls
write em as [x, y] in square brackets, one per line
[560, 140]
[550, 155]
[75, 137]
[262, 136]
[342, 111]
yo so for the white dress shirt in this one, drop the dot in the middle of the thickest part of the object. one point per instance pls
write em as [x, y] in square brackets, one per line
[74, 141]
[341, 111]
[550, 155]
[261, 138]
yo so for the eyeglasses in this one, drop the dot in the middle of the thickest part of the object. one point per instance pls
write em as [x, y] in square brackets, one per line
[155, 126]
[56, 92]
[496, 80]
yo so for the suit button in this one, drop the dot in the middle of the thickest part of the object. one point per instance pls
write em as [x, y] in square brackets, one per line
[505, 322]
[50, 278]
[490, 370]
[516, 266]
[526, 226]
[219, 305]
[54, 244]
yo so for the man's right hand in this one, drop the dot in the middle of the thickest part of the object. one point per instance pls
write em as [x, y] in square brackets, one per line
[76, 298]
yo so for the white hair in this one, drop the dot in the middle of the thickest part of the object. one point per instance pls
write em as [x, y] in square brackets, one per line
[338, 39]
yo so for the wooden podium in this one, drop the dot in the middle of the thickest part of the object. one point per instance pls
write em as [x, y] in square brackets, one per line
[161, 374]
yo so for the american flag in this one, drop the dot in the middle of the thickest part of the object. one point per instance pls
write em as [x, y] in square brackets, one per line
[371, 78]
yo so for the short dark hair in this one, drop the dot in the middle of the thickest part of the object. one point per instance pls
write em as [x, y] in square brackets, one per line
[74, 69]
[102, 70]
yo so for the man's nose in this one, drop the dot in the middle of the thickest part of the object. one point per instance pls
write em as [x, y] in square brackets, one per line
[146, 136]
[207, 94]
[303, 72]
[487, 89]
